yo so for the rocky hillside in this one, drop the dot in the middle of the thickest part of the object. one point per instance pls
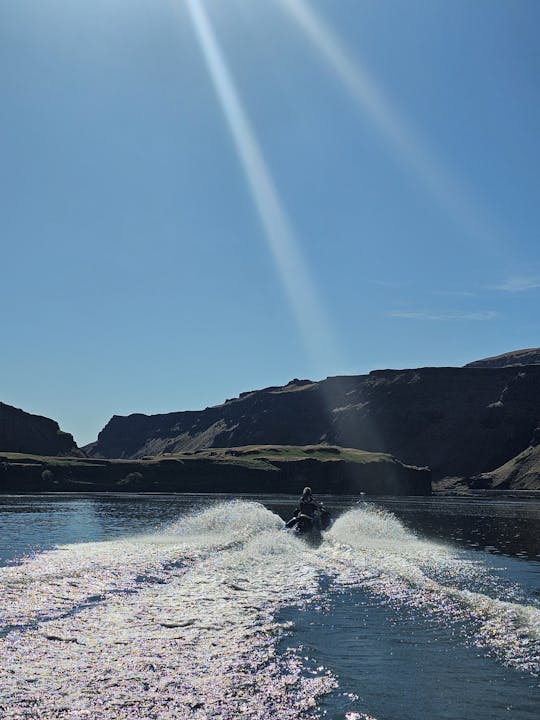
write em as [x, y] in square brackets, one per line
[22, 432]
[231, 470]
[520, 473]
[458, 421]
[531, 356]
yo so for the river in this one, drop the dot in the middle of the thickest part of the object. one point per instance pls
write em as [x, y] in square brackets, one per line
[197, 606]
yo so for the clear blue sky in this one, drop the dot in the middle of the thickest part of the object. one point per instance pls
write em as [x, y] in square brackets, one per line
[204, 198]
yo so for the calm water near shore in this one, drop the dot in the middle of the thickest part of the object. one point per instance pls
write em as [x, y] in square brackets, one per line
[201, 606]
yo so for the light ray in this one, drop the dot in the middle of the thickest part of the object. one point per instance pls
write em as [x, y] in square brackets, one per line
[411, 150]
[303, 299]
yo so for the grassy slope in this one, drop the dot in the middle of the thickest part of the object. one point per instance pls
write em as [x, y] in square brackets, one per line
[260, 456]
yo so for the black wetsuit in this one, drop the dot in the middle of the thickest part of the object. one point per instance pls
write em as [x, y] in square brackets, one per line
[308, 506]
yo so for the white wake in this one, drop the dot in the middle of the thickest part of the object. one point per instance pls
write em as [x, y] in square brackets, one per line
[184, 623]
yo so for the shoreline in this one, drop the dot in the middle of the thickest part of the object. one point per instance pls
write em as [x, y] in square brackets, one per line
[488, 495]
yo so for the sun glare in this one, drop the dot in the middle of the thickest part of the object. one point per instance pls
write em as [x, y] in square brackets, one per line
[303, 298]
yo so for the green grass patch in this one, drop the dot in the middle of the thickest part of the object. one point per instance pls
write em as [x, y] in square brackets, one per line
[250, 456]
[293, 453]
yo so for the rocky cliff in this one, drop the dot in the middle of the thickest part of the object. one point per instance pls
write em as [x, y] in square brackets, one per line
[22, 432]
[458, 421]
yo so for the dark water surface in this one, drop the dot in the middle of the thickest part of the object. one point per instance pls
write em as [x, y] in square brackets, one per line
[412, 607]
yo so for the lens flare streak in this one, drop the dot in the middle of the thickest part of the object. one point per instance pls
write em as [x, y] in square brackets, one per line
[305, 303]
[410, 149]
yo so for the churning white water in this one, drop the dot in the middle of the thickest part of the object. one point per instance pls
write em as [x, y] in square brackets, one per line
[186, 623]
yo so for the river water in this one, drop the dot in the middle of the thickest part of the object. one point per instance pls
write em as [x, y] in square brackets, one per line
[193, 606]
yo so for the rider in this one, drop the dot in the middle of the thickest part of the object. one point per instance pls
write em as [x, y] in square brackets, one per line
[308, 505]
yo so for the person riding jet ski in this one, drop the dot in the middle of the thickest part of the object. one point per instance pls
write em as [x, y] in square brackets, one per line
[310, 515]
[308, 505]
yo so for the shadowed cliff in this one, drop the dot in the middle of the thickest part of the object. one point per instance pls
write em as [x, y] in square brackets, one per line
[23, 432]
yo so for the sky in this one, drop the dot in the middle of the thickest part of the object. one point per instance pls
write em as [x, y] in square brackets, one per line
[203, 197]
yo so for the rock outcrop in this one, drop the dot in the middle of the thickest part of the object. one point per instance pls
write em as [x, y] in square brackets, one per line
[26, 433]
[458, 421]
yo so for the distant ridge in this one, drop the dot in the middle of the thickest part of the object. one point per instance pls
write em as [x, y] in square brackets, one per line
[529, 356]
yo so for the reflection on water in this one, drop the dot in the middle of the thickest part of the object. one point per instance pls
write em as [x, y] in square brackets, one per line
[186, 606]
[405, 666]
[40, 522]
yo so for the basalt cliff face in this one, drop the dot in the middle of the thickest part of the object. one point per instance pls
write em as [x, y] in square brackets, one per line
[26, 433]
[458, 421]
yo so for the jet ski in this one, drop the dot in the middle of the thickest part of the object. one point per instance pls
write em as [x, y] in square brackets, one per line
[309, 527]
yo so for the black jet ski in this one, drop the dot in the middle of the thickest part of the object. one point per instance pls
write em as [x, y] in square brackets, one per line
[308, 526]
